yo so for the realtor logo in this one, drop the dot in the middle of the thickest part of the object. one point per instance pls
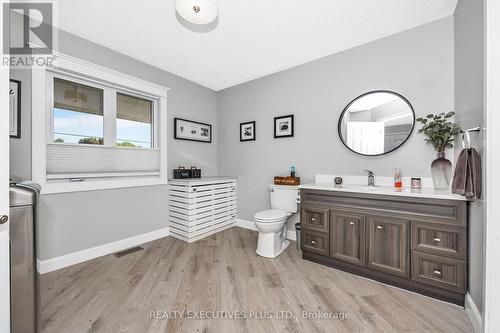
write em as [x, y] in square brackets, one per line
[27, 28]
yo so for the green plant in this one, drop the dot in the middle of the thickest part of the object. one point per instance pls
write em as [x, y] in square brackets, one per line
[126, 144]
[440, 131]
[92, 141]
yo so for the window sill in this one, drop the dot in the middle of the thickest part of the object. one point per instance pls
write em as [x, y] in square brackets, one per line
[54, 186]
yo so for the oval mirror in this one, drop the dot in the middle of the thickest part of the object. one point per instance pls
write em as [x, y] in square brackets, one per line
[376, 123]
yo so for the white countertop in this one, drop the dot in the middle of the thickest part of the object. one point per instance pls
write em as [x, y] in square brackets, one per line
[430, 193]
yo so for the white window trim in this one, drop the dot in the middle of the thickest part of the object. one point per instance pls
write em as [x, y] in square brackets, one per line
[42, 122]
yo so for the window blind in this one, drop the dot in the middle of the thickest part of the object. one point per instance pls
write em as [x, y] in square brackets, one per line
[81, 159]
[77, 97]
[133, 108]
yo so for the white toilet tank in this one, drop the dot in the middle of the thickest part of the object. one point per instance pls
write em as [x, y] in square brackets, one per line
[284, 197]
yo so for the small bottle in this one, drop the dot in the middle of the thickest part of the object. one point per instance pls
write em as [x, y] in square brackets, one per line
[292, 171]
[397, 178]
[416, 183]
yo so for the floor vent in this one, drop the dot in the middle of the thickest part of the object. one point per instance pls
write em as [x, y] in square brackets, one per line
[128, 251]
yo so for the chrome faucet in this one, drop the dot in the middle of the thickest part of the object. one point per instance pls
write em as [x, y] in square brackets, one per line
[371, 177]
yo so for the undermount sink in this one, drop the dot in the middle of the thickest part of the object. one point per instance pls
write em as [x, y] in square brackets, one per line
[376, 188]
[363, 187]
[371, 188]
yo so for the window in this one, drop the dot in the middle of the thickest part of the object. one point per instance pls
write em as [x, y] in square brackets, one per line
[134, 120]
[78, 113]
[101, 119]
[94, 128]
[79, 117]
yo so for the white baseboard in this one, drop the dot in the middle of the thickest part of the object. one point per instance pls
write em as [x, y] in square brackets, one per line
[49, 265]
[474, 314]
[290, 234]
[245, 224]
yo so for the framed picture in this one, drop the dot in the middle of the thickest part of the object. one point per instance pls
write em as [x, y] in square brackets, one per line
[283, 126]
[15, 109]
[247, 131]
[192, 130]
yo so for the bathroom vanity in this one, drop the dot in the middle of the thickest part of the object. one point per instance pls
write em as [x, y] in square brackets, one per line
[412, 240]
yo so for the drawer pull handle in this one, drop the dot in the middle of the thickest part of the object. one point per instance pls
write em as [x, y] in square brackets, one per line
[351, 223]
[437, 272]
[313, 242]
[437, 239]
[380, 227]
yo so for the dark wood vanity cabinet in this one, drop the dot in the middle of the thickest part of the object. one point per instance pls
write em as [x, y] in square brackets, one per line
[413, 243]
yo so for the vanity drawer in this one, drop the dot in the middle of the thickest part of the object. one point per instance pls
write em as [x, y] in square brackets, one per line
[315, 218]
[314, 241]
[438, 239]
[438, 271]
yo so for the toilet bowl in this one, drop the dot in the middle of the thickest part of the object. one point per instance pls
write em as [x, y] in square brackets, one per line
[272, 223]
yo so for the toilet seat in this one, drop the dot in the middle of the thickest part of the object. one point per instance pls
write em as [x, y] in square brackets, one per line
[271, 215]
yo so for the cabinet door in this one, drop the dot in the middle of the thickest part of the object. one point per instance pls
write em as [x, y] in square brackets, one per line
[347, 237]
[388, 246]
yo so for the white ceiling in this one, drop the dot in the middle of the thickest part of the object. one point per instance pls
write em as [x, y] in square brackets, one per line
[252, 38]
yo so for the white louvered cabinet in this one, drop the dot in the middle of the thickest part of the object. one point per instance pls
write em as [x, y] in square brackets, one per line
[201, 207]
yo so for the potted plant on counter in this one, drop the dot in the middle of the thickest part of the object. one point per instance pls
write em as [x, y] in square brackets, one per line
[440, 132]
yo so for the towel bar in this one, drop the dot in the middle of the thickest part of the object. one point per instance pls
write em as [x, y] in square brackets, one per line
[473, 129]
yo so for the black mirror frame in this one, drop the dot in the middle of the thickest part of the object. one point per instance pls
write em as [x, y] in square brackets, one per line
[339, 125]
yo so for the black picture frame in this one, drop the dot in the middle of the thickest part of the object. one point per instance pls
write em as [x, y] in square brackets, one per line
[17, 135]
[339, 125]
[178, 136]
[276, 134]
[253, 138]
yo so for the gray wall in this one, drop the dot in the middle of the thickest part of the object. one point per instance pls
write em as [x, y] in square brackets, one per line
[469, 92]
[72, 222]
[417, 63]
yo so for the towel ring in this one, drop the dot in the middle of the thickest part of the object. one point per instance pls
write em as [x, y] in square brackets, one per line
[465, 134]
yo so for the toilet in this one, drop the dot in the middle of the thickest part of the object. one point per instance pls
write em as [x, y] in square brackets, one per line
[271, 223]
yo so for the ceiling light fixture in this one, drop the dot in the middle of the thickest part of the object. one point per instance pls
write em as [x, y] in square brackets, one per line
[197, 11]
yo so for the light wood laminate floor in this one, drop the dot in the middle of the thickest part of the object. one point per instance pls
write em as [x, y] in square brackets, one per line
[223, 273]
